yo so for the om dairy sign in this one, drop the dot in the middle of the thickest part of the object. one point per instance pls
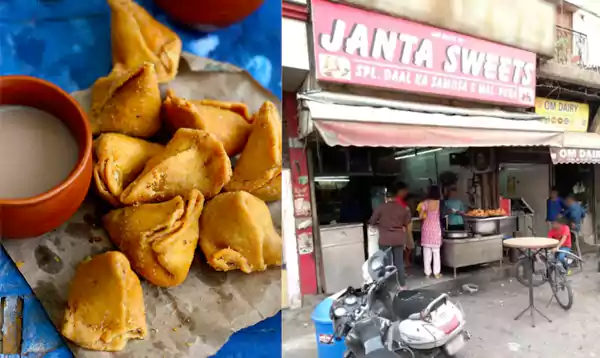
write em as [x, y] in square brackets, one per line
[355, 46]
[571, 116]
[573, 155]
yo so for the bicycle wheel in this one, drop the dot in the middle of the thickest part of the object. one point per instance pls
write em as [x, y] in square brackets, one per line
[523, 268]
[561, 288]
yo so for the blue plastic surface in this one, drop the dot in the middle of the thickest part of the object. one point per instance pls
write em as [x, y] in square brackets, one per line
[67, 42]
[324, 331]
[38, 333]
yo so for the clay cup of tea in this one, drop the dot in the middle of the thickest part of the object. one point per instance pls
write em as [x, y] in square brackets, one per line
[45, 156]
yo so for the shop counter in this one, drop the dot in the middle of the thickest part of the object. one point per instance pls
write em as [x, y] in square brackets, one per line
[343, 253]
[470, 251]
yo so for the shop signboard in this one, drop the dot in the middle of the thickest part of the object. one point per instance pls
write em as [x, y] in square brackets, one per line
[574, 156]
[571, 116]
[358, 47]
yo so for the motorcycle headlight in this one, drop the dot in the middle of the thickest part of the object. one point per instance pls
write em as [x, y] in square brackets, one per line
[340, 312]
[350, 300]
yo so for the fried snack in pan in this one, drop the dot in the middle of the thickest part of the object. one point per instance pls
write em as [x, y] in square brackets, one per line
[105, 305]
[271, 191]
[193, 159]
[159, 239]
[119, 160]
[137, 37]
[236, 232]
[261, 159]
[228, 121]
[127, 101]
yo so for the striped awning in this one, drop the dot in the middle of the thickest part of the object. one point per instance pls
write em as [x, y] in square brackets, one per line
[577, 148]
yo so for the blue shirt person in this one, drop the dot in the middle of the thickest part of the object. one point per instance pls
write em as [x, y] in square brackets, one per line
[454, 209]
[554, 206]
[574, 212]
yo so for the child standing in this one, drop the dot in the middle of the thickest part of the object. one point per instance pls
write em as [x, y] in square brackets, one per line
[431, 232]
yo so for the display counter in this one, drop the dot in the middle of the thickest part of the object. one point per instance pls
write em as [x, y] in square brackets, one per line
[343, 250]
[472, 250]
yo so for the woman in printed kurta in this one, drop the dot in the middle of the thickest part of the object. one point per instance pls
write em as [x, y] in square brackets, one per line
[431, 232]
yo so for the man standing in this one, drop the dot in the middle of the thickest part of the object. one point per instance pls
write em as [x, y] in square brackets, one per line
[392, 219]
[574, 212]
[554, 208]
[455, 209]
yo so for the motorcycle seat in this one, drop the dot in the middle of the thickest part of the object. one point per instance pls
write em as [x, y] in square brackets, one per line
[412, 301]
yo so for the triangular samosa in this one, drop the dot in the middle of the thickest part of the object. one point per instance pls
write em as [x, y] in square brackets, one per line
[193, 159]
[127, 101]
[271, 191]
[137, 38]
[119, 160]
[237, 232]
[228, 121]
[105, 304]
[261, 159]
[159, 239]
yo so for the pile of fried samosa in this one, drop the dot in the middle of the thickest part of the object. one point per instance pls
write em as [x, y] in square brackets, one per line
[169, 199]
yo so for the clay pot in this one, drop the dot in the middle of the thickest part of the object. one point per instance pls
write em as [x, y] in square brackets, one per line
[21, 218]
[209, 14]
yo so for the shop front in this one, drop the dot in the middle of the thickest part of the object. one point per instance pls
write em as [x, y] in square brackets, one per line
[573, 165]
[576, 169]
[395, 100]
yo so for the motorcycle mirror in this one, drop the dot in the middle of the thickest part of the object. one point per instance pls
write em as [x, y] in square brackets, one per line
[375, 264]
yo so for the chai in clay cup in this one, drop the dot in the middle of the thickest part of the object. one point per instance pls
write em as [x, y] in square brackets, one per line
[35, 216]
[209, 15]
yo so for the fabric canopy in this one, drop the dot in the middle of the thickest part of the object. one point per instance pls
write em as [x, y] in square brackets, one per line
[581, 140]
[578, 148]
[383, 127]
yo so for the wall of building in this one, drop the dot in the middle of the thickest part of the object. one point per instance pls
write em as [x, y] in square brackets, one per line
[417, 171]
[588, 23]
[526, 24]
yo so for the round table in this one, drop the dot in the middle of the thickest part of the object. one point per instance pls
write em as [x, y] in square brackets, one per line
[532, 245]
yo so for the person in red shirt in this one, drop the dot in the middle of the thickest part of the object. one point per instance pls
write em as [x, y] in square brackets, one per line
[561, 232]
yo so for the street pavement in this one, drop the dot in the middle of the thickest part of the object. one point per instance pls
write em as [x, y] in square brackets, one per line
[490, 319]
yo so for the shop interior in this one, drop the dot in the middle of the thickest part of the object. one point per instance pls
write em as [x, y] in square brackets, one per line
[350, 181]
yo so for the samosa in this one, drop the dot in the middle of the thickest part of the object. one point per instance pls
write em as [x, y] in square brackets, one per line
[105, 304]
[119, 160]
[271, 191]
[237, 232]
[137, 37]
[260, 161]
[193, 159]
[159, 239]
[127, 102]
[228, 121]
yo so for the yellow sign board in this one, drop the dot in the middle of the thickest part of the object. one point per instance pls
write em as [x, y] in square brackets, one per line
[571, 116]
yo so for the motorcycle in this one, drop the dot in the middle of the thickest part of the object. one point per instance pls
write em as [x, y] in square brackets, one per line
[379, 320]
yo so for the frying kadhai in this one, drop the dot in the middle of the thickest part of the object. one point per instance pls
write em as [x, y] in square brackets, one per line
[136, 38]
[193, 159]
[119, 160]
[236, 232]
[127, 101]
[105, 304]
[158, 239]
[228, 121]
